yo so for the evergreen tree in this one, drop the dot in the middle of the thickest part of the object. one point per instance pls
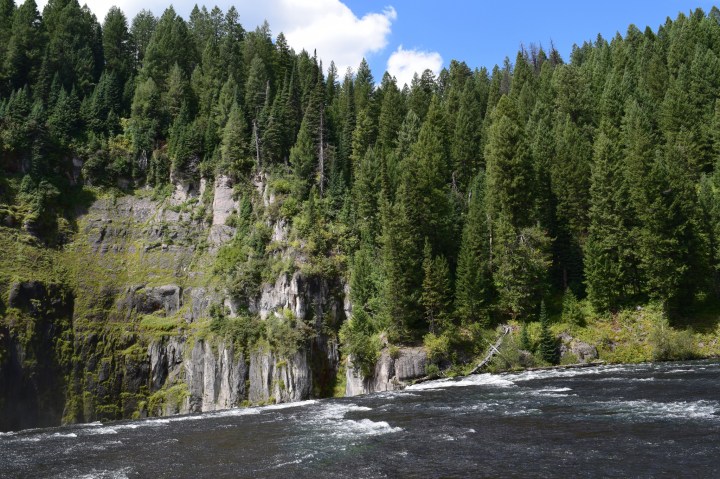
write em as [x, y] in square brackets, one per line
[234, 148]
[520, 264]
[474, 282]
[25, 48]
[169, 44]
[609, 252]
[116, 44]
[571, 311]
[303, 158]
[547, 347]
[525, 343]
[436, 296]
[434, 212]
[509, 168]
[141, 31]
[466, 140]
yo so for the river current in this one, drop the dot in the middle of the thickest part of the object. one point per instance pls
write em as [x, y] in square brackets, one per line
[648, 420]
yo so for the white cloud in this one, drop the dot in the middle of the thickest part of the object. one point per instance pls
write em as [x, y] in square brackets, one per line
[333, 29]
[101, 7]
[328, 26]
[403, 64]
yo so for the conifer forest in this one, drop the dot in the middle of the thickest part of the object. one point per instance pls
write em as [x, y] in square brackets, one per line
[449, 206]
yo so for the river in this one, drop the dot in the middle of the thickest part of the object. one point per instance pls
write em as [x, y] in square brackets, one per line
[648, 420]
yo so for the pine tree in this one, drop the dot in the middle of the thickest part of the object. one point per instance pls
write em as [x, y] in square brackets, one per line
[509, 168]
[116, 44]
[142, 28]
[366, 195]
[609, 254]
[402, 255]
[474, 282]
[144, 117]
[436, 296]
[303, 159]
[434, 211]
[570, 174]
[364, 86]
[467, 136]
[525, 343]
[673, 254]
[571, 311]
[169, 44]
[392, 114]
[234, 154]
[520, 264]
[547, 348]
[24, 52]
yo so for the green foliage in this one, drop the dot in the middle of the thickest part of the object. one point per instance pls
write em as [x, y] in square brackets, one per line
[572, 312]
[525, 343]
[473, 284]
[359, 343]
[594, 177]
[521, 265]
[436, 293]
[547, 347]
[437, 347]
[671, 345]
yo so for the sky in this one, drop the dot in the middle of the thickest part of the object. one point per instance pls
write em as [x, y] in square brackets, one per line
[408, 36]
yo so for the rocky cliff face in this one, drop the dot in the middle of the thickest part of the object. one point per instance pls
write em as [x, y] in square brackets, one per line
[130, 333]
[392, 372]
[35, 354]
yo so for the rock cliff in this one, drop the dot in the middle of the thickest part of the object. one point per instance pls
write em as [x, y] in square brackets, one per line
[142, 325]
[392, 372]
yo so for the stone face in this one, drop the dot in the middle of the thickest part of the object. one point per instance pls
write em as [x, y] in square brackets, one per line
[165, 299]
[200, 301]
[223, 206]
[223, 203]
[279, 380]
[33, 371]
[214, 374]
[120, 366]
[584, 351]
[390, 373]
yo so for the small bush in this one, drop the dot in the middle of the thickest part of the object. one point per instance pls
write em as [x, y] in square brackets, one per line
[432, 371]
[671, 345]
[437, 347]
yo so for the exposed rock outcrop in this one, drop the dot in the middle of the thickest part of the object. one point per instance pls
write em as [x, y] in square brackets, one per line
[583, 351]
[129, 345]
[279, 380]
[222, 207]
[391, 373]
[35, 355]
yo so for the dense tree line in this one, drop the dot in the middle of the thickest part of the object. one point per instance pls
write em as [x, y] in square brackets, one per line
[460, 199]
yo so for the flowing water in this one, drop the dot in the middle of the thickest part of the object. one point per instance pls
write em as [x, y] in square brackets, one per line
[649, 420]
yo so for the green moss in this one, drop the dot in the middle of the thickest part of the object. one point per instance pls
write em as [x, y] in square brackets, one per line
[171, 398]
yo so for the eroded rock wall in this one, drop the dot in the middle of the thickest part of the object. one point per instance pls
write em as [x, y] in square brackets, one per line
[392, 372]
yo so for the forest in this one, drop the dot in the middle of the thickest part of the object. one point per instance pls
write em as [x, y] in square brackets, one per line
[460, 201]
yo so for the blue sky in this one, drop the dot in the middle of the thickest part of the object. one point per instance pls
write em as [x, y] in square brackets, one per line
[404, 36]
[483, 33]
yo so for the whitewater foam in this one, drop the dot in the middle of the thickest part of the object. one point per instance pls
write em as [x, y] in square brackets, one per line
[472, 380]
[99, 431]
[646, 409]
